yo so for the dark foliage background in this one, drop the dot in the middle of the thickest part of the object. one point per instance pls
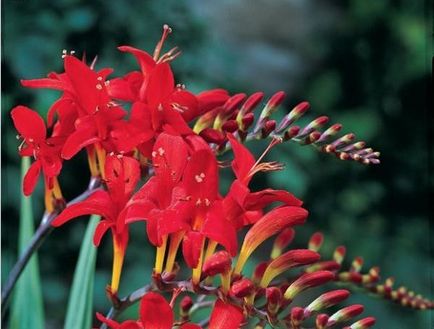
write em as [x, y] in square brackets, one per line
[363, 63]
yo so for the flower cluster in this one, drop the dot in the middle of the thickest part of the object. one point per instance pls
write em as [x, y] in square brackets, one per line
[154, 146]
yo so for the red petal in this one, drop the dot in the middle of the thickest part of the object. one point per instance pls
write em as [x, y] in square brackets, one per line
[217, 228]
[243, 159]
[161, 85]
[111, 323]
[44, 83]
[259, 200]
[99, 203]
[225, 316]
[169, 156]
[191, 248]
[100, 230]
[145, 60]
[187, 102]
[155, 312]
[31, 178]
[78, 140]
[29, 123]
[200, 177]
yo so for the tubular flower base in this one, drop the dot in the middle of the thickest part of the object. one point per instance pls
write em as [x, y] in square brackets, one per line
[159, 164]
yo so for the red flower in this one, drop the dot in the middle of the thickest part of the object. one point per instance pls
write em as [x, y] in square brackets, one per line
[46, 152]
[122, 175]
[156, 313]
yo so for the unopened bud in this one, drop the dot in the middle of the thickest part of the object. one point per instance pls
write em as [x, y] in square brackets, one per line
[357, 264]
[269, 108]
[230, 126]
[212, 136]
[339, 254]
[345, 314]
[233, 103]
[185, 306]
[333, 130]
[354, 146]
[247, 121]
[306, 281]
[297, 316]
[251, 103]
[321, 321]
[268, 127]
[242, 288]
[258, 273]
[314, 125]
[282, 241]
[328, 265]
[326, 300]
[344, 140]
[292, 116]
[316, 241]
[362, 324]
[291, 132]
[274, 299]
[220, 262]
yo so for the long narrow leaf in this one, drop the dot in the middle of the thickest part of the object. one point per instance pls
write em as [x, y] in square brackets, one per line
[79, 312]
[27, 308]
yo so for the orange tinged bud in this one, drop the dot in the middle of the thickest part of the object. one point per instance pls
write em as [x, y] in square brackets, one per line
[185, 306]
[357, 264]
[316, 241]
[247, 121]
[230, 126]
[328, 265]
[251, 102]
[258, 273]
[274, 299]
[297, 316]
[306, 281]
[292, 116]
[290, 259]
[233, 103]
[276, 99]
[291, 132]
[271, 223]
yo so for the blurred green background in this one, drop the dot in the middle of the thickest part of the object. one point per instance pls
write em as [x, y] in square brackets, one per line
[363, 63]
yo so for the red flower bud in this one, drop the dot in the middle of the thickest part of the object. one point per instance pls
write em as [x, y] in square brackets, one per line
[251, 102]
[282, 240]
[276, 99]
[220, 262]
[212, 136]
[321, 321]
[316, 241]
[274, 299]
[258, 273]
[297, 316]
[247, 120]
[326, 300]
[306, 281]
[230, 126]
[242, 288]
[291, 132]
[233, 103]
[345, 314]
[339, 254]
[362, 324]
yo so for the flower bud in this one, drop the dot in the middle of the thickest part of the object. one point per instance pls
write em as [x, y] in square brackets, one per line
[274, 299]
[218, 263]
[345, 314]
[316, 241]
[339, 254]
[230, 126]
[328, 265]
[292, 116]
[321, 321]
[313, 125]
[212, 135]
[185, 306]
[258, 273]
[333, 130]
[233, 103]
[242, 288]
[362, 324]
[306, 281]
[357, 264]
[247, 121]
[284, 262]
[326, 300]
[339, 143]
[268, 128]
[282, 240]
[251, 102]
[291, 132]
[297, 316]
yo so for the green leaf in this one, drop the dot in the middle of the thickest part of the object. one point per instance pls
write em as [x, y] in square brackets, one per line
[27, 308]
[79, 312]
